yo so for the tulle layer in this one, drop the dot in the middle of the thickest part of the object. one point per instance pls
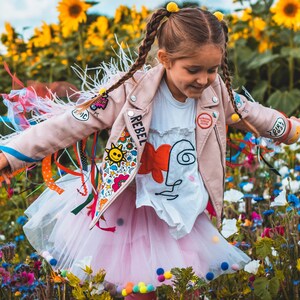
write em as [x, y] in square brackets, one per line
[140, 245]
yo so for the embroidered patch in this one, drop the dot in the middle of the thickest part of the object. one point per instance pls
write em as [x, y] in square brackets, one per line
[115, 154]
[278, 128]
[80, 115]
[238, 101]
[101, 103]
[117, 169]
[204, 120]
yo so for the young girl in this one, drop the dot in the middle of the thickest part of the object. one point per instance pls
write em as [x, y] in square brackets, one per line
[163, 166]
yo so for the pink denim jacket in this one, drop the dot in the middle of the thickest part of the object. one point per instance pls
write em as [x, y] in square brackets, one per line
[128, 114]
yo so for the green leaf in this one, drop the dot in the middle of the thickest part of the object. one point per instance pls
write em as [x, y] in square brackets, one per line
[262, 59]
[260, 288]
[286, 52]
[259, 90]
[263, 247]
[287, 102]
[274, 287]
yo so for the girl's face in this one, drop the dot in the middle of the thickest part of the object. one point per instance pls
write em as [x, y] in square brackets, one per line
[188, 77]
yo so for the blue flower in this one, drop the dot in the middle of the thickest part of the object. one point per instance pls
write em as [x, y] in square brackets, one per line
[268, 212]
[258, 198]
[21, 220]
[297, 168]
[276, 192]
[293, 200]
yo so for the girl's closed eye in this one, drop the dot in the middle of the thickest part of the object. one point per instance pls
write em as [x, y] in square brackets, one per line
[213, 70]
[193, 70]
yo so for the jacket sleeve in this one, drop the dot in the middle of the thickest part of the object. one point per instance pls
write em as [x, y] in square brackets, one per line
[63, 130]
[268, 122]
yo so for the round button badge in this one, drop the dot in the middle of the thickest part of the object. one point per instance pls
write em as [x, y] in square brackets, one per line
[204, 120]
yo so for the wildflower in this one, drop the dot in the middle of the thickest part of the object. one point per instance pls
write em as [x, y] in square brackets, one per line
[28, 277]
[287, 13]
[229, 227]
[248, 187]
[252, 266]
[233, 195]
[268, 212]
[298, 264]
[71, 14]
[21, 220]
[269, 232]
[280, 200]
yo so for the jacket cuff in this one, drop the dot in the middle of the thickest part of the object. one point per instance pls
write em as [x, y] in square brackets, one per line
[293, 134]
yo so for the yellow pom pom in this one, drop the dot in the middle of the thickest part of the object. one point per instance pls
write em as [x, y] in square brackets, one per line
[124, 293]
[235, 117]
[143, 289]
[141, 283]
[215, 239]
[102, 91]
[219, 16]
[168, 275]
[172, 7]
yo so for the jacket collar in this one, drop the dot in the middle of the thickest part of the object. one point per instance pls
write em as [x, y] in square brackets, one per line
[144, 91]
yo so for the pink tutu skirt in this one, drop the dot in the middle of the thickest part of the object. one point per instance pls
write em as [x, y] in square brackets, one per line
[140, 245]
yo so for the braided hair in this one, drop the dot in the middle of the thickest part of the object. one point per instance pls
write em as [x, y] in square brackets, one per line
[178, 36]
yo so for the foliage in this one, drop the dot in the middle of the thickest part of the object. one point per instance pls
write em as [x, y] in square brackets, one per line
[264, 41]
[262, 53]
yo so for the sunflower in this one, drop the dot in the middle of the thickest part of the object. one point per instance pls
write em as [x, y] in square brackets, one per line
[287, 13]
[71, 14]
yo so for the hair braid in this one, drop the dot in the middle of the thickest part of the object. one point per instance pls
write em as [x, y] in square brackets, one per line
[151, 31]
[228, 82]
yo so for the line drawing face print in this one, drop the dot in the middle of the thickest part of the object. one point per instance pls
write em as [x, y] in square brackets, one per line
[182, 153]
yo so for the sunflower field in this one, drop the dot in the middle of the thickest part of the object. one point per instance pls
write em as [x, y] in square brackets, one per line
[262, 193]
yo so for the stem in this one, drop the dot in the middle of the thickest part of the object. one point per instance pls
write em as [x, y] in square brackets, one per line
[81, 48]
[291, 63]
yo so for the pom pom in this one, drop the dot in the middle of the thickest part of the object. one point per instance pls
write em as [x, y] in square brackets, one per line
[119, 289]
[215, 239]
[224, 266]
[235, 117]
[136, 289]
[53, 262]
[63, 273]
[143, 289]
[102, 91]
[129, 289]
[160, 271]
[172, 7]
[219, 15]
[168, 275]
[150, 288]
[141, 283]
[124, 293]
[161, 278]
[210, 276]
[235, 267]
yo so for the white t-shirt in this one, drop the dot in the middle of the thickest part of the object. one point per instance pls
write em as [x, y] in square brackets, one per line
[168, 179]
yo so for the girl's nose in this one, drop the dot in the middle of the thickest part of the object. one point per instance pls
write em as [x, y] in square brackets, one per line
[202, 79]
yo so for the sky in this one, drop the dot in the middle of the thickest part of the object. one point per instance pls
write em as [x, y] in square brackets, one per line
[25, 15]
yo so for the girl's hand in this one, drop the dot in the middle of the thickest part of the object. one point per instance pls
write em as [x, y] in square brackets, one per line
[3, 169]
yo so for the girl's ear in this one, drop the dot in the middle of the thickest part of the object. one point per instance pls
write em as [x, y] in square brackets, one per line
[163, 58]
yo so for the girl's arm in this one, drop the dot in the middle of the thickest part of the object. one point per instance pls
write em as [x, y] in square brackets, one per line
[61, 131]
[268, 122]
